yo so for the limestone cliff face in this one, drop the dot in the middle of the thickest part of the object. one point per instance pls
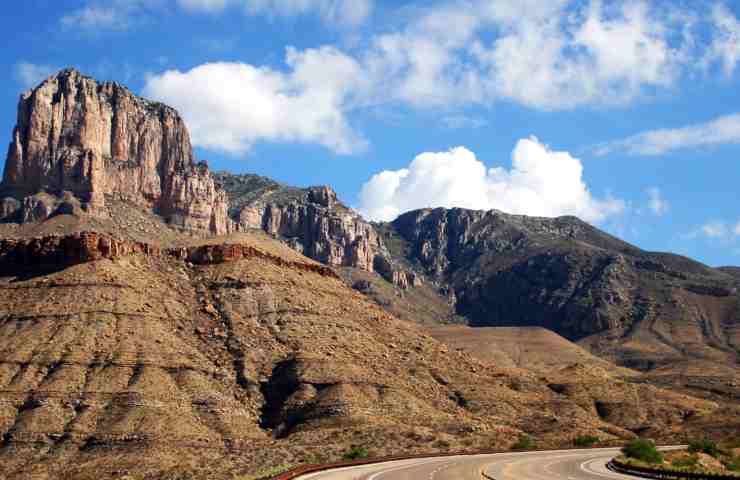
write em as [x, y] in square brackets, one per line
[316, 228]
[94, 140]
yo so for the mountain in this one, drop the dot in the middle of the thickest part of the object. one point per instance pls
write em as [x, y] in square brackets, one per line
[641, 309]
[79, 145]
[162, 321]
[217, 357]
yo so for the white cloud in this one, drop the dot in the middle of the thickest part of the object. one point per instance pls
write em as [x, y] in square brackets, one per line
[559, 54]
[209, 6]
[31, 74]
[108, 14]
[657, 204]
[541, 182]
[722, 130]
[548, 55]
[571, 55]
[456, 122]
[725, 46]
[343, 12]
[239, 104]
[715, 229]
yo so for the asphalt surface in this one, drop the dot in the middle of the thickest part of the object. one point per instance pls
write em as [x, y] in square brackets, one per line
[552, 465]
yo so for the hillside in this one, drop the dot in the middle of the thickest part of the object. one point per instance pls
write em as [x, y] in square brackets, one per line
[129, 358]
[160, 321]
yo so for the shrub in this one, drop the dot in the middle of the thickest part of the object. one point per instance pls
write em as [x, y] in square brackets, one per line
[733, 465]
[704, 446]
[356, 453]
[643, 450]
[685, 462]
[524, 443]
[585, 441]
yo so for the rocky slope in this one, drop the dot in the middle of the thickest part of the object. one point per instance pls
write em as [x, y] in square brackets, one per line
[79, 143]
[641, 309]
[130, 350]
[312, 221]
[211, 359]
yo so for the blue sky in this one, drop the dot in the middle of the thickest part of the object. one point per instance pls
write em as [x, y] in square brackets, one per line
[625, 113]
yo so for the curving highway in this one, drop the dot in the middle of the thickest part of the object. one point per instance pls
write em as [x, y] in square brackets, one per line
[587, 464]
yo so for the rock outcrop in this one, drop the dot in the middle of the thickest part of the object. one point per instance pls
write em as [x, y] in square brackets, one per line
[64, 251]
[310, 220]
[79, 138]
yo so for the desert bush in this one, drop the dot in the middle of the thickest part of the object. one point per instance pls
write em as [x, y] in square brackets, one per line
[356, 453]
[643, 450]
[685, 462]
[704, 446]
[585, 441]
[524, 443]
[733, 465]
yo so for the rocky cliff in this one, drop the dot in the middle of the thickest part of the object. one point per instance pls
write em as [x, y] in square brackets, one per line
[78, 142]
[312, 221]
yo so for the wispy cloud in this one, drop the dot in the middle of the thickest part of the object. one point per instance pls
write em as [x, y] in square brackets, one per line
[346, 13]
[29, 74]
[456, 122]
[99, 15]
[720, 131]
[657, 204]
[716, 230]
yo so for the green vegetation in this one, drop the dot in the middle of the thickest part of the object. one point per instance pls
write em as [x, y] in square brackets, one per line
[643, 450]
[587, 301]
[585, 441]
[356, 453]
[685, 462]
[268, 472]
[524, 443]
[733, 465]
[704, 446]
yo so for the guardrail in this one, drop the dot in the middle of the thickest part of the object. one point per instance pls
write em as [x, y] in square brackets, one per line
[659, 474]
[307, 469]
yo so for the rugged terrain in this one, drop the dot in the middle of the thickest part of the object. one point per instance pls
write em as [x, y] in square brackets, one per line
[162, 321]
[120, 357]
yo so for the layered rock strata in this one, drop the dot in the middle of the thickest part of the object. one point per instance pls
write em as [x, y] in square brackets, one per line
[77, 139]
[64, 251]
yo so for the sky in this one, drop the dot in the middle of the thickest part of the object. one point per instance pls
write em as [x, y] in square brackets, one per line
[624, 113]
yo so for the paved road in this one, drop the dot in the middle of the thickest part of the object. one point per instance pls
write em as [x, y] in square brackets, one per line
[553, 465]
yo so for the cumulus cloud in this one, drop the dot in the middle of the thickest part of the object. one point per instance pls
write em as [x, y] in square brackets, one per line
[31, 74]
[722, 130]
[657, 204]
[342, 12]
[540, 182]
[455, 54]
[569, 56]
[239, 104]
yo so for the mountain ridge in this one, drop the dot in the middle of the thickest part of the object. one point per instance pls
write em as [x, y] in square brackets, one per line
[163, 321]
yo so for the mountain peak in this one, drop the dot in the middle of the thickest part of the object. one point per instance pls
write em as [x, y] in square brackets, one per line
[80, 138]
